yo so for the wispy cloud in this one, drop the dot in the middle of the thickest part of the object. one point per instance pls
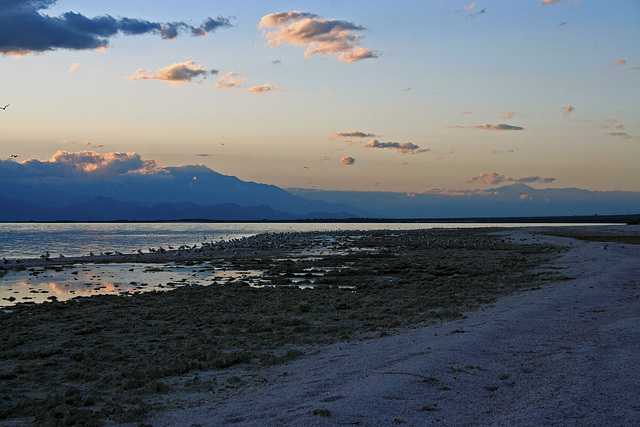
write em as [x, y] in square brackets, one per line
[620, 135]
[568, 109]
[87, 143]
[486, 126]
[535, 179]
[549, 2]
[466, 8]
[73, 67]
[500, 127]
[402, 147]
[176, 74]
[347, 160]
[267, 87]
[509, 151]
[352, 134]
[24, 28]
[321, 36]
[621, 62]
[493, 178]
[229, 81]
[509, 115]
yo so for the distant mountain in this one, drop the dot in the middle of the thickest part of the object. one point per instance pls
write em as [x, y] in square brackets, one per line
[506, 201]
[70, 187]
[107, 209]
[182, 192]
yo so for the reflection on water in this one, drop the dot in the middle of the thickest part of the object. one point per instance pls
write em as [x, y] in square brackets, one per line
[37, 285]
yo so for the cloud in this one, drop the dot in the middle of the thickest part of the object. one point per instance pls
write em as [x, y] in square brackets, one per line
[499, 127]
[176, 74]
[487, 178]
[88, 163]
[87, 143]
[24, 29]
[549, 2]
[352, 134]
[620, 135]
[568, 109]
[229, 81]
[323, 158]
[533, 179]
[496, 178]
[347, 160]
[621, 62]
[466, 8]
[267, 87]
[403, 147]
[510, 150]
[73, 67]
[321, 36]
[509, 115]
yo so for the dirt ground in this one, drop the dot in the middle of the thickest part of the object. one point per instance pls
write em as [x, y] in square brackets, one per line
[114, 360]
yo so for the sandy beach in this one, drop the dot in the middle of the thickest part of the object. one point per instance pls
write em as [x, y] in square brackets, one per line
[451, 327]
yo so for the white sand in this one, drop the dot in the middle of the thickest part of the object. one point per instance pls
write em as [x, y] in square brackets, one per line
[566, 354]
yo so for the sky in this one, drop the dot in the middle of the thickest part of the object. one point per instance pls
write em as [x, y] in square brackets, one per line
[402, 96]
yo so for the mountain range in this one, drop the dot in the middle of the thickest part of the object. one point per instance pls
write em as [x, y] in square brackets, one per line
[195, 192]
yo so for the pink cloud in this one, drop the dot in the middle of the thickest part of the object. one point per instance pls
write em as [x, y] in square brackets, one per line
[347, 160]
[175, 74]
[496, 178]
[321, 36]
[402, 147]
[500, 127]
[267, 87]
[549, 2]
[229, 81]
[466, 8]
[568, 109]
[352, 134]
[92, 163]
[488, 178]
[620, 135]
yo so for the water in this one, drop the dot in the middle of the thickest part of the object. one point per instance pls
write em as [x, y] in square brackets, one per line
[30, 240]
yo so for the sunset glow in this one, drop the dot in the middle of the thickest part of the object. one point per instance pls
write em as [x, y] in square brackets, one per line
[412, 98]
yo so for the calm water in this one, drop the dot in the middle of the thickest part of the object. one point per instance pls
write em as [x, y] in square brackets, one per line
[30, 240]
[36, 285]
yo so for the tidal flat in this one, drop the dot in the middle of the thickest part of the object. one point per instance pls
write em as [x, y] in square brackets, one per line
[109, 359]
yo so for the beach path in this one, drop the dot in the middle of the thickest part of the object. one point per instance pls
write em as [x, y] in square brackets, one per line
[567, 353]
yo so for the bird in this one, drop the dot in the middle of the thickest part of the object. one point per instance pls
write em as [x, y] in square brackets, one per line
[5, 107]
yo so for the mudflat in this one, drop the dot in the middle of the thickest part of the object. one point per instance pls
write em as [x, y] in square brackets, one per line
[346, 327]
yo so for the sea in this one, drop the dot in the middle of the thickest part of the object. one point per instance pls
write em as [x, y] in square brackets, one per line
[38, 285]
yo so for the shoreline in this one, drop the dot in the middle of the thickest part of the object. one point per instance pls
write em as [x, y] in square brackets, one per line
[168, 347]
[563, 354]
